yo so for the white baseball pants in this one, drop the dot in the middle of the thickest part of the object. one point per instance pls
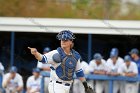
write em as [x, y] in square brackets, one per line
[58, 88]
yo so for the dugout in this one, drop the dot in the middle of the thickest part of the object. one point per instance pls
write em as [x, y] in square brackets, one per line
[92, 36]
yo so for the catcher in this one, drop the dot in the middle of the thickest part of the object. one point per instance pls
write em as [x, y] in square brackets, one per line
[64, 61]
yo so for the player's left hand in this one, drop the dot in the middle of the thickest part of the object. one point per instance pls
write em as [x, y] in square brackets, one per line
[89, 90]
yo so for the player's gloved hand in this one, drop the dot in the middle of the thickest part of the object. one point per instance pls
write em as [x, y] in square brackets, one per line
[33, 50]
[88, 89]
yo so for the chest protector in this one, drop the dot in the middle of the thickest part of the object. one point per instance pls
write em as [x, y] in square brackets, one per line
[66, 69]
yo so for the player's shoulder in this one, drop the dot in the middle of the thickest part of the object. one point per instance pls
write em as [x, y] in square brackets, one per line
[103, 61]
[31, 78]
[108, 60]
[133, 63]
[51, 53]
[123, 65]
[92, 62]
[18, 75]
[6, 75]
[120, 59]
[84, 63]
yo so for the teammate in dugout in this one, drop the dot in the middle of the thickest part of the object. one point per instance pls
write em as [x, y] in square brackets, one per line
[114, 62]
[12, 81]
[34, 82]
[129, 69]
[98, 66]
[65, 62]
[135, 57]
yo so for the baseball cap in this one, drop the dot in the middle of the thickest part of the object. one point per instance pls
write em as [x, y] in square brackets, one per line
[97, 56]
[36, 70]
[13, 69]
[114, 52]
[46, 49]
[127, 58]
[134, 51]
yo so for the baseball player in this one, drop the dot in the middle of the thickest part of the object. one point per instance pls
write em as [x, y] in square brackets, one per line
[135, 57]
[114, 62]
[34, 82]
[46, 68]
[78, 86]
[65, 62]
[129, 69]
[12, 82]
[98, 66]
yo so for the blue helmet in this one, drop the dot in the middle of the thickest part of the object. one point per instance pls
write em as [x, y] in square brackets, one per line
[114, 52]
[65, 35]
[97, 56]
[134, 51]
[46, 49]
[127, 58]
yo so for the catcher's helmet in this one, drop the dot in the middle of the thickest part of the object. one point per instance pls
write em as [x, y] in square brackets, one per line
[65, 35]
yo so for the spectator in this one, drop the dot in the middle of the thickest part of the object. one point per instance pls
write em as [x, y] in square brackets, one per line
[98, 66]
[135, 57]
[12, 81]
[114, 62]
[77, 85]
[34, 82]
[129, 69]
[46, 68]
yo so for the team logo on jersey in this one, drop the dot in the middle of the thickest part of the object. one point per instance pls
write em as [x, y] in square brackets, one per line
[70, 62]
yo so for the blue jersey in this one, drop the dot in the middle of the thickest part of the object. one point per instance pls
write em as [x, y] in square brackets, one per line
[138, 64]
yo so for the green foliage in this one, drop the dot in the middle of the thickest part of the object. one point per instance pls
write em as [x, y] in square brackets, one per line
[91, 9]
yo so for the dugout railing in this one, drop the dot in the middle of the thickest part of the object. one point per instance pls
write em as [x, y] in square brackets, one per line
[90, 77]
[97, 77]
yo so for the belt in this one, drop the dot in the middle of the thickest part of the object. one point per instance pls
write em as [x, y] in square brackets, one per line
[66, 84]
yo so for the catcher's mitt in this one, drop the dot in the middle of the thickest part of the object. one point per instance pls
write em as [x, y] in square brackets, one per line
[89, 90]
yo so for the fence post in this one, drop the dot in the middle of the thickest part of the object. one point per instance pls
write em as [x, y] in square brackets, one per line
[111, 86]
[89, 46]
[0, 80]
[12, 48]
[43, 74]
[42, 84]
